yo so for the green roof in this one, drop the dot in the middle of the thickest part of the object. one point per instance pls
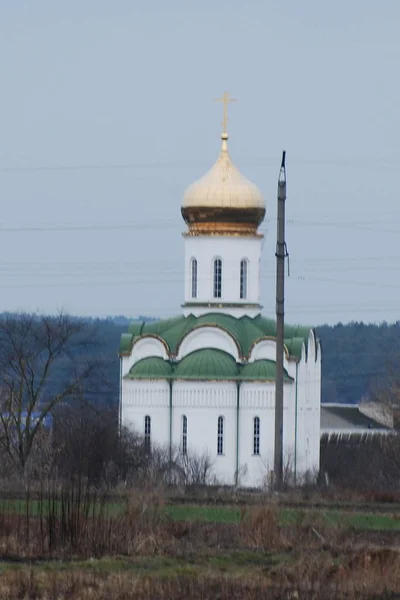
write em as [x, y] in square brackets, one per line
[264, 370]
[245, 331]
[207, 363]
[152, 367]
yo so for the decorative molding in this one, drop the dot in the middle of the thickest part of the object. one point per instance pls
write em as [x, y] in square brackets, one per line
[243, 304]
[257, 398]
[145, 397]
[217, 397]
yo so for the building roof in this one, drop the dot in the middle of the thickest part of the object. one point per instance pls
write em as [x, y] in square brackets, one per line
[152, 367]
[223, 201]
[205, 364]
[337, 418]
[223, 186]
[244, 330]
[263, 370]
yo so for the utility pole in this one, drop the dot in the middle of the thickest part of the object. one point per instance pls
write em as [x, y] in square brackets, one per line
[281, 254]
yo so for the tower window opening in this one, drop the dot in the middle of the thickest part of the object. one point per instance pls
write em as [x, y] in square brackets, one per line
[243, 279]
[220, 441]
[184, 435]
[194, 277]
[217, 278]
[147, 433]
[256, 435]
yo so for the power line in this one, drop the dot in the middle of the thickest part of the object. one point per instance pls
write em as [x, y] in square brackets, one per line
[175, 225]
[258, 162]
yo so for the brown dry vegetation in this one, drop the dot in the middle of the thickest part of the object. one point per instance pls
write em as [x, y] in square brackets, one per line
[76, 549]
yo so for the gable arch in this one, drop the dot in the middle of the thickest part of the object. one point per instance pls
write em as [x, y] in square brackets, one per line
[145, 346]
[208, 336]
[265, 349]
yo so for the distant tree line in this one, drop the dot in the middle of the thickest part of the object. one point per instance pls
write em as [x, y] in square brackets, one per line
[358, 359]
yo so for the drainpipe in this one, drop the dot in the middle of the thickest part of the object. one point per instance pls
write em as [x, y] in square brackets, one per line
[170, 421]
[120, 398]
[295, 428]
[237, 431]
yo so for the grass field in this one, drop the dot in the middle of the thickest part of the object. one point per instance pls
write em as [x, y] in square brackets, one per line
[288, 516]
[148, 548]
[232, 514]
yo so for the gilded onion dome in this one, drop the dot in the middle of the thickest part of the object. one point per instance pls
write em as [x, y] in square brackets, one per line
[223, 201]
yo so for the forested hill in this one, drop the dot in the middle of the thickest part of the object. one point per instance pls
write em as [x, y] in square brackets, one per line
[356, 357]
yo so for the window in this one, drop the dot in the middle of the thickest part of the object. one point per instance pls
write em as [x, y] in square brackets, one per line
[184, 435]
[220, 442]
[147, 433]
[194, 277]
[256, 435]
[217, 278]
[243, 278]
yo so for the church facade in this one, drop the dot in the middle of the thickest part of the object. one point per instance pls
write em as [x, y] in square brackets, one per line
[203, 383]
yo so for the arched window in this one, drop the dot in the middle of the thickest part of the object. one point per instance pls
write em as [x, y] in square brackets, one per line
[217, 278]
[220, 442]
[194, 277]
[256, 435]
[243, 278]
[147, 433]
[184, 434]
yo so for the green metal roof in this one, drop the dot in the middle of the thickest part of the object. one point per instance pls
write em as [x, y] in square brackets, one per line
[207, 364]
[245, 331]
[264, 370]
[152, 367]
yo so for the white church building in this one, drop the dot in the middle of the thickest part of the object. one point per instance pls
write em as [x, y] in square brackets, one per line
[204, 382]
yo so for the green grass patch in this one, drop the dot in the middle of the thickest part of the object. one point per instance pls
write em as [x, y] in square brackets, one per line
[211, 514]
[235, 562]
[219, 514]
[288, 516]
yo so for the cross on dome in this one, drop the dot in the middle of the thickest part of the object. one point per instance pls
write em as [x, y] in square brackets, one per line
[223, 201]
[225, 99]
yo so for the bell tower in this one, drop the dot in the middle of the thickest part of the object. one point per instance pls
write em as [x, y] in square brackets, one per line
[223, 211]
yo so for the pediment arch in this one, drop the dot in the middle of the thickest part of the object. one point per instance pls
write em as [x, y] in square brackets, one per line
[145, 346]
[208, 336]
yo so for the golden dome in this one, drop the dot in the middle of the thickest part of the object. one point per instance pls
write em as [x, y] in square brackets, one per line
[223, 201]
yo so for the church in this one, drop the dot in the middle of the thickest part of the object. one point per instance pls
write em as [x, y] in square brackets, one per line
[203, 383]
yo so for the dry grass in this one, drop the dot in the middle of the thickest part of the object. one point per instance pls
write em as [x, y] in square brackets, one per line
[311, 580]
[163, 559]
[260, 528]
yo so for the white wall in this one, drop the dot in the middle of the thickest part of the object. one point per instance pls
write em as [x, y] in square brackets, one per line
[257, 399]
[141, 398]
[309, 410]
[231, 250]
[202, 403]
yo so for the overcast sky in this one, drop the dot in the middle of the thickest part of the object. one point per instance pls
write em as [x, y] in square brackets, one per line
[107, 115]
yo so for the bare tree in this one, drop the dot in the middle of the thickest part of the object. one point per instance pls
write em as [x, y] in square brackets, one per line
[43, 361]
[194, 469]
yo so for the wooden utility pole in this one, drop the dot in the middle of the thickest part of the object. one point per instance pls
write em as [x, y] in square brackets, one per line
[281, 253]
